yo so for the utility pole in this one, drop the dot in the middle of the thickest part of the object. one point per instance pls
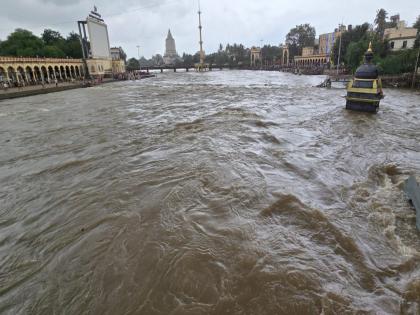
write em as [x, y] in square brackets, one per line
[413, 83]
[138, 52]
[201, 36]
[339, 49]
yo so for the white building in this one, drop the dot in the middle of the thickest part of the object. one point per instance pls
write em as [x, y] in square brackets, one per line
[401, 36]
[170, 57]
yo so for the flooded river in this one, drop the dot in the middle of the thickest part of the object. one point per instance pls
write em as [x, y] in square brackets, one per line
[226, 192]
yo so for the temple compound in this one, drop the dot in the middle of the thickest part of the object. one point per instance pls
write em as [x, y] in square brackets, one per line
[170, 57]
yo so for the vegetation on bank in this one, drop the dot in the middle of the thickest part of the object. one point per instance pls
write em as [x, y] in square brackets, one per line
[23, 43]
[355, 42]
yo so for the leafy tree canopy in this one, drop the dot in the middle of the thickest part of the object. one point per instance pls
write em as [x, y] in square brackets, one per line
[380, 21]
[51, 37]
[22, 43]
[299, 37]
[133, 64]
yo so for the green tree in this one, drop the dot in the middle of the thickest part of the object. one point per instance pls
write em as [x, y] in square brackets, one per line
[354, 54]
[133, 64]
[51, 37]
[22, 43]
[271, 53]
[398, 62]
[54, 44]
[356, 50]
[72, 47]
[299, 37]
[53, 52]
[380, 22]
[356, 34]
[188, 60]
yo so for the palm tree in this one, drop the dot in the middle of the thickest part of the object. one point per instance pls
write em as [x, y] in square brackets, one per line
[380, 22]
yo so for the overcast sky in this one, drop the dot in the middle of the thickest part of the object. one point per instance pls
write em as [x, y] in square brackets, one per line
[146, 22]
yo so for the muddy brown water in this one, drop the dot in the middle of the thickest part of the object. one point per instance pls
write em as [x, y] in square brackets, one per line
[218, 193]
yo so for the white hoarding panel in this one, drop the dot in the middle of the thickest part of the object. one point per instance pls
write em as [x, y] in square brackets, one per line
[99, 42]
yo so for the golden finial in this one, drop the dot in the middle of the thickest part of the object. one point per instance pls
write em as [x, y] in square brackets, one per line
[370, 47]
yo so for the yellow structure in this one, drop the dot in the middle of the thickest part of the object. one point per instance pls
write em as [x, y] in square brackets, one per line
[309, 59]
[99, 67]
[285, 55]
[118, 66]
[27, 70]
[307, 51]
[255, 56]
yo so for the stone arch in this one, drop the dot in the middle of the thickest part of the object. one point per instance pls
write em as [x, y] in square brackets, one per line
[63, 72]
[57, 71]
[72, 72]
[68, 75]
[11, 72]
[37, 74]
[44, 74]
[77, 71]
[2, 74]
[21, 74]
[285, 56]
[29, 74]
[51, 73]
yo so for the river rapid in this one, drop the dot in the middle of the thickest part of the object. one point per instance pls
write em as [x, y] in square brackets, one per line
[226, 192]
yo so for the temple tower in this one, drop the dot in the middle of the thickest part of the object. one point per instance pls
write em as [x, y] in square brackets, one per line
[170, 56]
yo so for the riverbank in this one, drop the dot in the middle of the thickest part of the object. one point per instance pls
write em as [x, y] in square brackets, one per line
[37, 89]
[31, 90]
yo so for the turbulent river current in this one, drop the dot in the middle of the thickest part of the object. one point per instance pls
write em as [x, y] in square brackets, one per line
[226, 192]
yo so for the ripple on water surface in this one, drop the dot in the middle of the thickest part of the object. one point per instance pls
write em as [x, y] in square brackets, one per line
[228, 192]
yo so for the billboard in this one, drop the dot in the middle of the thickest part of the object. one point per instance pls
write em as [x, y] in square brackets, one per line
[99, 41]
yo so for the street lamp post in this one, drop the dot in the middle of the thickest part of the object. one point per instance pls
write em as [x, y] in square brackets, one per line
[339, 49]
[413, 83]
[138, 52]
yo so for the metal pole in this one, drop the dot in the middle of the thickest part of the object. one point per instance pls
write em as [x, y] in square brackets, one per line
[202, 58]
[138, 52]
[339, 50]
[413, 83]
